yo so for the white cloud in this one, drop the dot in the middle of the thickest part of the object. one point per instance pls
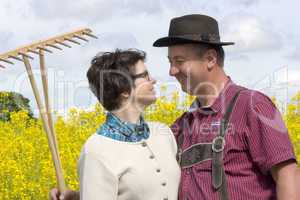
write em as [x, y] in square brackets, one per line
[113, 40]
[6, 39]
[294, 76]
[245, 3]
[93, 10]
[134, 23]
[294, 53]
[250, 33]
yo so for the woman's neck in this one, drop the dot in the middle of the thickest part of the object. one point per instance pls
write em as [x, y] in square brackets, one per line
[128, 114]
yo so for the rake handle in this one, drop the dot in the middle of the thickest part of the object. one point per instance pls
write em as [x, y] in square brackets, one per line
[47, 101]
[53, 149]
[46, 94]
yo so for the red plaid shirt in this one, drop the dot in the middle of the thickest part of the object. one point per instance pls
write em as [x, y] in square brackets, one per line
[256, 140]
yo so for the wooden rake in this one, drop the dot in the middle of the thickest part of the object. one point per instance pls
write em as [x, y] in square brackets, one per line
[39, 48]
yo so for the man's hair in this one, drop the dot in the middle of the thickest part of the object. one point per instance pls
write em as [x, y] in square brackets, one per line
[201, 49]
[110, 75]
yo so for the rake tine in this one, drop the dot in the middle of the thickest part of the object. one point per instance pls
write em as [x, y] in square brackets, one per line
[91, 35]
[26, 55]
[15, 57]
[54, 46]
[33, 51]
[43, 48]
[7, 61]
[71, 40]
[81, 38]
[62, 43]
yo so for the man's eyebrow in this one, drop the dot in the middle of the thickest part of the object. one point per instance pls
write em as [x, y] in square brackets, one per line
[176, 57]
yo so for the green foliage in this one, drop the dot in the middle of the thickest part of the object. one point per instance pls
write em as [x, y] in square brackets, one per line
[12, 102]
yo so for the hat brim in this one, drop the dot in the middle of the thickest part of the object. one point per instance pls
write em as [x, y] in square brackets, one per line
[175, 40]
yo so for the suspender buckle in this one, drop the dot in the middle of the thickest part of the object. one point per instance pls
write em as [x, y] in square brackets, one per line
[179, 156]
[218, 144]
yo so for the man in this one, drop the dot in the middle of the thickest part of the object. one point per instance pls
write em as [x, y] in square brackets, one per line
[252, 158]
[233, 143]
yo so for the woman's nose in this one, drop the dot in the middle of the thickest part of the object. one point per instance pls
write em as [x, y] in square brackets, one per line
[153, 80]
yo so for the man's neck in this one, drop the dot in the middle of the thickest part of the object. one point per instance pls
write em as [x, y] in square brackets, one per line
[210, 94]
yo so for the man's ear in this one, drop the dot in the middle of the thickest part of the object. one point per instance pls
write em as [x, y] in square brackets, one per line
[211, 57]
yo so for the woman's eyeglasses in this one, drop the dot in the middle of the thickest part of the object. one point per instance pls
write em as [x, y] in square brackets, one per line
[144, 74]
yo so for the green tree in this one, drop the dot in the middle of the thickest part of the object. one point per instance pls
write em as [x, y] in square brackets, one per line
[12, 101]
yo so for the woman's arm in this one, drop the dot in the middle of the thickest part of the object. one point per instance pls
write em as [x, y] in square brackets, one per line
[96, 179]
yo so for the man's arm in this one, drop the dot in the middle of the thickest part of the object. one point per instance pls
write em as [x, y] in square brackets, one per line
[270, 146]
[287, 178]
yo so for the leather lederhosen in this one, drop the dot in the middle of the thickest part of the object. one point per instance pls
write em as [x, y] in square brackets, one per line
[200, 152]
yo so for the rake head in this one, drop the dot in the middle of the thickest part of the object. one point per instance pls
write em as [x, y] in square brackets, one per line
[44, 45]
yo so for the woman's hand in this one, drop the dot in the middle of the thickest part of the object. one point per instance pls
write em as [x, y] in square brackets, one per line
[66, 195]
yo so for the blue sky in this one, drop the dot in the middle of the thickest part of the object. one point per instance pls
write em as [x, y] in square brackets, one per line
[266, 33]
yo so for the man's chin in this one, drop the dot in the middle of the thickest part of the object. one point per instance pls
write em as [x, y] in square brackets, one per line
[184, 89]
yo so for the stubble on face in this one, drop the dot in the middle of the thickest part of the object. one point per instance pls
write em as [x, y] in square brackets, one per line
[190, 68]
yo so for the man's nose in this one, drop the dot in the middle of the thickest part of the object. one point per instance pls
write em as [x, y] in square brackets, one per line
[173, 71]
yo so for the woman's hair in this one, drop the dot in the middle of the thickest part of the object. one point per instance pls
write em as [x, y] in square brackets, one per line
[110, 75]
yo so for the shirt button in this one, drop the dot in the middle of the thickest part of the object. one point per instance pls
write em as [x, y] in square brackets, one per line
[164, 184]
[165, 198]
[157, 170]
[152, 157]
[144, 144]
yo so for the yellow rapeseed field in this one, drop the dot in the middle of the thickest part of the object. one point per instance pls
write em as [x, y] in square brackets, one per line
[26, 168]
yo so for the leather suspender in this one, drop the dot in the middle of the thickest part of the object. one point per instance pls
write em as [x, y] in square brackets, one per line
[201, 152]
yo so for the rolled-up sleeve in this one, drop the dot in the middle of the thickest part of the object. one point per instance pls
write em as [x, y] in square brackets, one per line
[96, 180]
[267, 136]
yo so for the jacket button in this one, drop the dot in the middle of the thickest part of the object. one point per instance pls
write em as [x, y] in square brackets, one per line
[164, 184]
[152, 157]
[158, 170]
[144, 144]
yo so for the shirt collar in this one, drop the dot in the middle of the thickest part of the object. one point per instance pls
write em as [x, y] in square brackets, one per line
[217, 105]
[126, 128]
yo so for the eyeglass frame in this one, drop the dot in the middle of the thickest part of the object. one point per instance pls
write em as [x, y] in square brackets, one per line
[144, 74]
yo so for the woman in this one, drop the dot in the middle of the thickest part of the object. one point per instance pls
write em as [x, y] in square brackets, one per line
[127, 158]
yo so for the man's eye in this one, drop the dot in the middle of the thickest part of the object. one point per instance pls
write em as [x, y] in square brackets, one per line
[176, 62]
[179, 61]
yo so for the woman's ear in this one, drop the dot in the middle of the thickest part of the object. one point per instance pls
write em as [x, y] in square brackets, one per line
[125, 95]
